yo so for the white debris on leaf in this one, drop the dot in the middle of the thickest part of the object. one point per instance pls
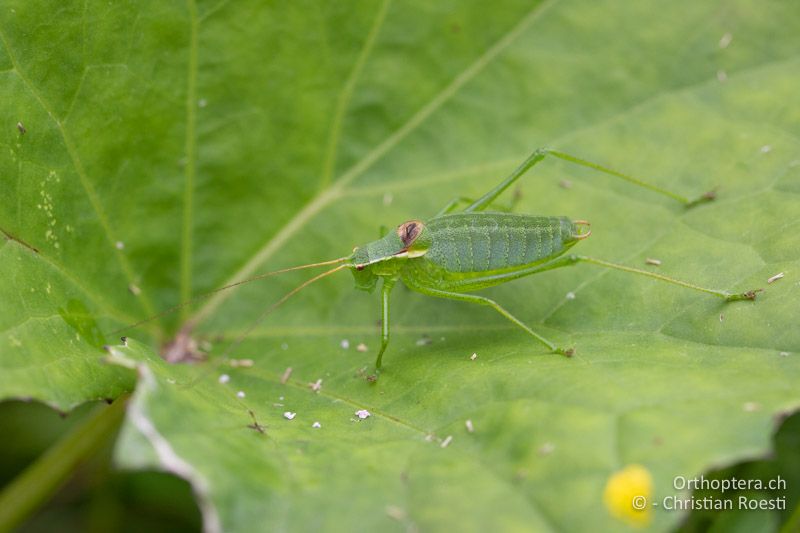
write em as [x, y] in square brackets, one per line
[725, 40]
[316, 386]
[469, 426]
[224, 378]
[750, 407]
[652, 261]
[776, 277]
[766, 149]
[424, 341]
[288, 415]
[362, 414]
[316, 425]
[345, 344]
[570, 295]
[446, 442]
[285, 376]
[240, 394]
[120, 245]
[393, 511]
[361, 347]
[547, 448]
[473, 356]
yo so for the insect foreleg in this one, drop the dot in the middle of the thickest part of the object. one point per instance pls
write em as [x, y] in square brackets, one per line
[482, 300]
[484, 201]
[388, 285]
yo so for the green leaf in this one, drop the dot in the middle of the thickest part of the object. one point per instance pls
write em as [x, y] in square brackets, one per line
[170, 149]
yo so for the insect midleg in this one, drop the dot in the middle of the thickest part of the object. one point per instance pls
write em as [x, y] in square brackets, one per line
[388, 285]
[482, 300]
[484, 201]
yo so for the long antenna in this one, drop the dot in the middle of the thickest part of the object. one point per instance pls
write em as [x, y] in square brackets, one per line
[211, 292]
[258, 320]
[274, 306]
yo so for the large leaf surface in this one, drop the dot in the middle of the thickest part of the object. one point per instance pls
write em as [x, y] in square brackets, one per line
[172, 148]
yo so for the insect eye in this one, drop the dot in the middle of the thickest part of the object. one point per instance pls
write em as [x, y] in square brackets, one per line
[409, 231]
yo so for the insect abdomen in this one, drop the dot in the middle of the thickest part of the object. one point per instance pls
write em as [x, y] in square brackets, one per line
[483, 242]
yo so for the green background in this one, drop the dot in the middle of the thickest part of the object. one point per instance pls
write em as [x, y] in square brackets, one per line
[172, 147]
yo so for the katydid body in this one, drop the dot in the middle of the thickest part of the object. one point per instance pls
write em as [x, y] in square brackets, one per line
[459, 253]
[455, 253]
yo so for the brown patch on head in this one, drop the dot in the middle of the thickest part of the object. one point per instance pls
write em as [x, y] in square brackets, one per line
[409, 231]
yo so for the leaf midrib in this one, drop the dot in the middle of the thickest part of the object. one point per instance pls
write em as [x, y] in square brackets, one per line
[190, 156]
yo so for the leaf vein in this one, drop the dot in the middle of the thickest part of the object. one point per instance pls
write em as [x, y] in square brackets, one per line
[190, 158]
[88, 188]
[326, 196]
[346, 94]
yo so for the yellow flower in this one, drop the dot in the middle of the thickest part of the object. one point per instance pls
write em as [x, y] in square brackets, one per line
[627, 495]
